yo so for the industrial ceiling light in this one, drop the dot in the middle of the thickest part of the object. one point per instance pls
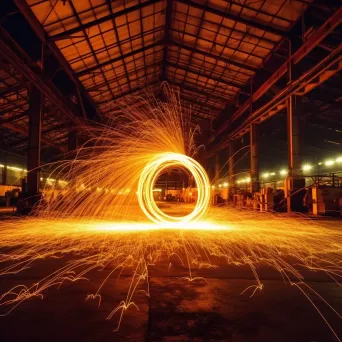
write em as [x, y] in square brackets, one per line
[149, 176]
[307, 167]
[329, 162]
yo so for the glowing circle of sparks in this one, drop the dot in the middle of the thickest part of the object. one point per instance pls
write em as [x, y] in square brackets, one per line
[149, 176]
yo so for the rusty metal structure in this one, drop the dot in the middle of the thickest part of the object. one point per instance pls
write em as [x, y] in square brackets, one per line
[236, 63]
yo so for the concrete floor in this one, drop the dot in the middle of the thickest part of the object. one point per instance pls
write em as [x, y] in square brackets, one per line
[178, 310]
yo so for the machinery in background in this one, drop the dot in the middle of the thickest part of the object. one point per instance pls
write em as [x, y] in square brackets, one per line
[325, 195]
[321, 196]
[8, 195]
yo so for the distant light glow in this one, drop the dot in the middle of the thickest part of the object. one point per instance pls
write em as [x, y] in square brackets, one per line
[307, 167]
[14, 168]
[283, 172]
[265, 175]
[329, 162]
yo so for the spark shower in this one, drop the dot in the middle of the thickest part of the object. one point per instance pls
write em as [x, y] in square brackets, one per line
[104, 218]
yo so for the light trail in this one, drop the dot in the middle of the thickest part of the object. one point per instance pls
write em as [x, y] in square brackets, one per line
[96, 224]
[150, 175]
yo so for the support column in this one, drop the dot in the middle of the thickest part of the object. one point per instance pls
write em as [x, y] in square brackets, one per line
[217, 166]
[289, 178]
[295, 180]
[254, 162]
[296, 157]
[72, 140]
[36, 105]
[231, 161]
[4, 175]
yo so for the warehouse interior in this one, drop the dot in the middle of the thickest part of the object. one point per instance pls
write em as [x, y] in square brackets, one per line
[244, 68]
[262, 81]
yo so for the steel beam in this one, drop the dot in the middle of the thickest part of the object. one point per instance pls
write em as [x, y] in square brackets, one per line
[254, 161]
[199, 92]
[279, 101]
[117, 59]
[4, 175]
[72, 140]
[13, 89]
[66, 34]
[210, 55]
[36, 103]
[231, 161]
[320, 34]
[226, 15]
[33, 74]
[26, 11]
[168, 19]
[13, 118]
[197, 72]
[202, 105]
[217, 166]
[23, 131]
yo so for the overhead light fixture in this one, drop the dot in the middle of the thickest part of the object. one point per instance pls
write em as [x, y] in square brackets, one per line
[283, 172]
[329, 162]
[307, 167]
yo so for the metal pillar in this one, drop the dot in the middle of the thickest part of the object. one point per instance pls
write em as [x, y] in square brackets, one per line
[72, 140]
[4, 175]
[296, 157]
[231, 161]
[289, 103]
[254, 162]
[295, 181]
[217, 166]
[36, 105]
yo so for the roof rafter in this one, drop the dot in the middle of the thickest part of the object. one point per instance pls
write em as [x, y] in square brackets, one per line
[117, 59]
[198, 91]
[68, 33]
[14, 118]
[23, 131]
[168, 18]
[130, 92]
[197, 72]
[203, 106]
[231, 16]
[219, 58]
